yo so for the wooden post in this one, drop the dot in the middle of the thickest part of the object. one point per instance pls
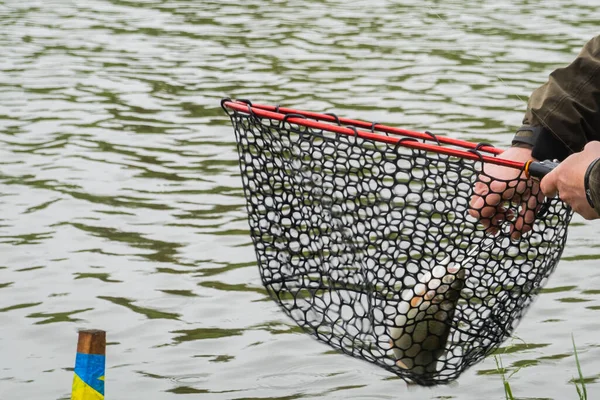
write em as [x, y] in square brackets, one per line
[88, 382]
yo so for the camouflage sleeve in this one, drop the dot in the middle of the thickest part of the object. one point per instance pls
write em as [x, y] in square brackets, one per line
[567, 106]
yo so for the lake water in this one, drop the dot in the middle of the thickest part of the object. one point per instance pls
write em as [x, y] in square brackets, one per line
[121, 205]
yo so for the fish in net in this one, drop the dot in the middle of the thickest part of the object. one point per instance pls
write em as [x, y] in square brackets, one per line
[364, 236]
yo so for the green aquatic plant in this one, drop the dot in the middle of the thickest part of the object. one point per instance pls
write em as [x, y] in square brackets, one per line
[505, 383]
[581, 390]
[579, 383]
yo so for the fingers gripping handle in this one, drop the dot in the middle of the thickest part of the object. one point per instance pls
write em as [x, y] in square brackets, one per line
[539, 169]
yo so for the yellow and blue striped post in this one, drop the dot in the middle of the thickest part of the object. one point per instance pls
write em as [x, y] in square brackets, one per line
[88, 382]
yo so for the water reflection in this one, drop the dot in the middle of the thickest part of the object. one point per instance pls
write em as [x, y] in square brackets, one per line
[121, 205]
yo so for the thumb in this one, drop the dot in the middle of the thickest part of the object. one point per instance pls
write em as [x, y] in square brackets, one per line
[548, 184]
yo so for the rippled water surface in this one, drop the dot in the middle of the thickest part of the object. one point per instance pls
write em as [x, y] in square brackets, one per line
[121, 205]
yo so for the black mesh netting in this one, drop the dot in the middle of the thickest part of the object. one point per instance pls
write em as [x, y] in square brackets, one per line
[371, 247]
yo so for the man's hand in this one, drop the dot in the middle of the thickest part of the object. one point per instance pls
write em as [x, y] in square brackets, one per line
[568, 177]
[498, 185]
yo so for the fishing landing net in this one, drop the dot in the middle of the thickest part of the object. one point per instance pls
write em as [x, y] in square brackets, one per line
[365, 237]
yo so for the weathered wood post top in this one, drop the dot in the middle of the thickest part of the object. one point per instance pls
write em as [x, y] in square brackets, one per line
[88, 382]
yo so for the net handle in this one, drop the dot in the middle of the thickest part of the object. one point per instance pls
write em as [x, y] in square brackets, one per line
[473, 153]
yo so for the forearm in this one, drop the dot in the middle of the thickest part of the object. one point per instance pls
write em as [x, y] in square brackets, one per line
[567, 106]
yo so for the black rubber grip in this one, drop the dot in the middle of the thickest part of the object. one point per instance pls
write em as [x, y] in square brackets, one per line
[541, 168]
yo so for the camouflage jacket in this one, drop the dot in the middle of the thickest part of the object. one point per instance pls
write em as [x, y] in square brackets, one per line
[567, 107]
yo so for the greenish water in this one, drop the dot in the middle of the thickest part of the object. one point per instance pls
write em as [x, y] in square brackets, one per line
[121, 205]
